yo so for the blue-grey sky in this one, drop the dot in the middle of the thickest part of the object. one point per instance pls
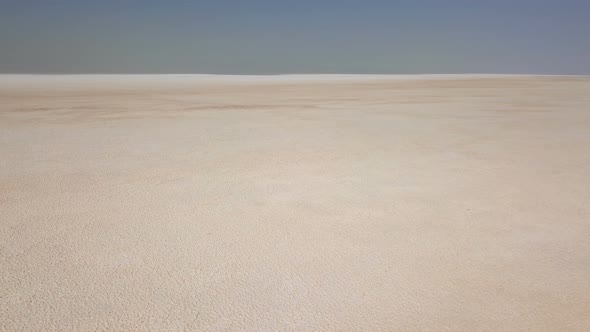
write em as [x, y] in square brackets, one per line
[295, 36]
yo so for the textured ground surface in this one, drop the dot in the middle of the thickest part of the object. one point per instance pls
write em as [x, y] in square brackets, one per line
[294, 203]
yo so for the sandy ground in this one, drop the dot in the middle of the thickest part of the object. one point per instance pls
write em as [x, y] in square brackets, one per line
[295, 203]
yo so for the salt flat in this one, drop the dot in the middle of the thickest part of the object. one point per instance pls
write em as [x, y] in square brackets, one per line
[299, 203]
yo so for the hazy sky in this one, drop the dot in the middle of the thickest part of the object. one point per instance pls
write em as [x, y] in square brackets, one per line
[295, 36]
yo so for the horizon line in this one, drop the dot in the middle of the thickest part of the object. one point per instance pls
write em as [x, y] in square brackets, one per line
[289, 74]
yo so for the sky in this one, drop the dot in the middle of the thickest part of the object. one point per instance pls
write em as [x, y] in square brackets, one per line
[296, 36]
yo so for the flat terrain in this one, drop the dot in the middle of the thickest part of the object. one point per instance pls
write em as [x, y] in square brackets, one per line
[294, 203]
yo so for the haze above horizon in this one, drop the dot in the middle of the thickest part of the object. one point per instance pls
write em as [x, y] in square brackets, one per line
[308, 37]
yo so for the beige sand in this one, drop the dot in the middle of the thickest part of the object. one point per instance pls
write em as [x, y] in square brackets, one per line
[295, 203]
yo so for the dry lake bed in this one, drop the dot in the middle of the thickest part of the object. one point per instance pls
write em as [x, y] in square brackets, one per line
[294, 203]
